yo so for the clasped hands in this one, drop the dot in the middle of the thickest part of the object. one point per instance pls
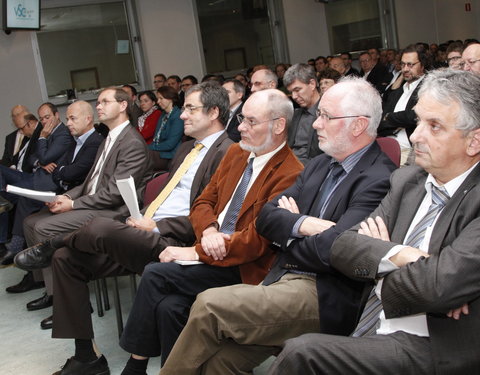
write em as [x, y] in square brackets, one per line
[377, 229]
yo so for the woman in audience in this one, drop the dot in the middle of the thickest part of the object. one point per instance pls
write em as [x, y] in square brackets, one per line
[169, 131]
[148, 121]
[327, 78]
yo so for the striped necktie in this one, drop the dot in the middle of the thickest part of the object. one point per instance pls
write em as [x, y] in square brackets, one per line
[92, 183]
[187, 162]
[371, 314]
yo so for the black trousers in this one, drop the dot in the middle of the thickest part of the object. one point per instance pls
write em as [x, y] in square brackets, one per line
[162, 305]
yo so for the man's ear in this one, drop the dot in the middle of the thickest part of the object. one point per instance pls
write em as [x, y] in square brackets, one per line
[473, 142]
[214, 113]
[279, 126]
[359, 126]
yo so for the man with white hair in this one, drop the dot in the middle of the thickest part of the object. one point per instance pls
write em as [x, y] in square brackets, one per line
[263, 79]
[234, 329]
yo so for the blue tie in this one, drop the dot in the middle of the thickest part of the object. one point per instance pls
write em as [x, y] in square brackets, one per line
[230, 219]
[336, 170]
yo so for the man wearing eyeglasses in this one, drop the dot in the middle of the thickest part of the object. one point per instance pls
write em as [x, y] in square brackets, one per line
[471, 58]
[399, 119]
[233, 329]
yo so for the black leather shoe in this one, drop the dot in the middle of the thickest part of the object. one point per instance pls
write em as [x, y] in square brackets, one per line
[35, 257]
[74, 367]
[40, 303]
[5, 205]
[47, 323]
[27, 283]
[7, 259]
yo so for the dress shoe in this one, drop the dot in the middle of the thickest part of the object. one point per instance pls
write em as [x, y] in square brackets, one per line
[7, 259]
[74, 367]
[5, 205]
[40, 303]
[27, 283]
[47, 323]
[35, 257]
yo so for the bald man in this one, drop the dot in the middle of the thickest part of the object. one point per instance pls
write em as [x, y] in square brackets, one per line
[15, 140]
[471, 58]
[264, 79]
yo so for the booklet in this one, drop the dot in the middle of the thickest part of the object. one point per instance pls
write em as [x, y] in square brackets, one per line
[188, 262]
[129, 195]
[42, 196]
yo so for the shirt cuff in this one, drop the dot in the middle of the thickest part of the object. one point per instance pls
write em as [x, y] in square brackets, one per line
[386, 265]
[156, 230]
[296, 227]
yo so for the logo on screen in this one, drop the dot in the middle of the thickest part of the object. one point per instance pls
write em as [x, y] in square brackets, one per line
[22, 12]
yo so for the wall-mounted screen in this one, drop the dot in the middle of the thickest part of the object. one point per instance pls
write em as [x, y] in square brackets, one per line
[21, 14]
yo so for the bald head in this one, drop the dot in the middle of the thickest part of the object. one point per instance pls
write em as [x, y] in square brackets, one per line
[264, 79]
[471, 58]
[338, 64]
[79, 118]
[18, 113]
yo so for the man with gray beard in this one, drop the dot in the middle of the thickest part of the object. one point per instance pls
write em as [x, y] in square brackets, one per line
[227, 245]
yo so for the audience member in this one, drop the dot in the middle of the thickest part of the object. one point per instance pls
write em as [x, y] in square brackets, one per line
[454, 56]
[373, 72]
[375, 55]
[235, 91]
[338, 64]
[174, 82]
[135, 111]
[300, 80]
[263, 79]
[471, 58]
[169, 130]
[147, 122]
[236, 328]
[391, 60]
[15, 141]
[327, 78]
[423, 254]
[188, 82]
[159, 80]
[347, 59]
[320, 63]
[280, 70]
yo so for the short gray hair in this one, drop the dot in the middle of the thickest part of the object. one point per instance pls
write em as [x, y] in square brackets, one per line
[361, 98]
[459, 86]
[301, 72]
[280, 105]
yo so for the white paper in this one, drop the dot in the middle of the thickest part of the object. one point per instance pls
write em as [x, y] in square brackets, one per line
[126, 187]
[42, 196]
[188, 262]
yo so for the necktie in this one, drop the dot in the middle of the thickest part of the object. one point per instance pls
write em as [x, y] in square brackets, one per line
[91, 186]
[336, 170]
[228, 224]
[187, 162]
[371, 314]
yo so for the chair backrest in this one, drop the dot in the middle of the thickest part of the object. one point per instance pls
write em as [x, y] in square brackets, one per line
[153, 188]
[390, 147]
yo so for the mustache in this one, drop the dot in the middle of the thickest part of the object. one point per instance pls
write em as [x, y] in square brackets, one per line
[420, 147]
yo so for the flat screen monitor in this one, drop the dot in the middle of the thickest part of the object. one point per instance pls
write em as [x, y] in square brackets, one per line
[21, 14]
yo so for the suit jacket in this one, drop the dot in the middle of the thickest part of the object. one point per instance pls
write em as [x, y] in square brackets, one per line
[357, 195]
[446, 280]
[401, 119]
[172, 227]
[171, 135]
[232, 129]
[7, 158]
[246, 248]
[313, 149]
[379, 77]
[28, 159]
[127, 157]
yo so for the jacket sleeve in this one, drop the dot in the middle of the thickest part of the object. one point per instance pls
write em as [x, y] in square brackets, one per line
[173, 134]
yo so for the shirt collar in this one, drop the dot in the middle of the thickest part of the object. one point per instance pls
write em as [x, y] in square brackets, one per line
[451, 186]
[208, 141]
[351, 160]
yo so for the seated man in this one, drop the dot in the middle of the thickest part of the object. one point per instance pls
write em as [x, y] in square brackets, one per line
[231, 330]
[223, 220]
[16, 139]
[425, 254]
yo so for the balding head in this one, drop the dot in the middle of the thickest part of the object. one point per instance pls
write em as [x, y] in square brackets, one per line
[471, 58]
[79, 118]
[17, 113]
[264, 79]
[338, 64]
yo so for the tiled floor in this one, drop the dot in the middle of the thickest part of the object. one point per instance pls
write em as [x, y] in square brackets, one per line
[25, 349]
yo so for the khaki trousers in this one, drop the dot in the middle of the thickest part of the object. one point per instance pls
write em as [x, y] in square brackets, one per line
[233, 329]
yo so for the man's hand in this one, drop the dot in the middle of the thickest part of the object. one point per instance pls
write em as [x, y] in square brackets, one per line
[145, 223]
[313, 225]
[288, 204]
[456, 313]
[213, 243]
[49, 167]
[172, 253]
[374, 228]
[48, 128]
[61, 204]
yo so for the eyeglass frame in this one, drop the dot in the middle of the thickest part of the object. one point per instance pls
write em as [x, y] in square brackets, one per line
[470, 62]
[191, 108]
[326, 116]
[242, 119]
[103, 102]
[409, 65]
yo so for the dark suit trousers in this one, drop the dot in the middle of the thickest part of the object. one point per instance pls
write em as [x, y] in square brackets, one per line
[313, 353]
[105, 247]
[163, 302]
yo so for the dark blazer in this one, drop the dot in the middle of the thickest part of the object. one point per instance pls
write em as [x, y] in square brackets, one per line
[313, 149]
[127, 157]
[446, 280]
[352, 72]
[402, 119]
[379, 77]
[232, 129]
[358, 194]
[7, 158]
[170, 136]
[28, 159]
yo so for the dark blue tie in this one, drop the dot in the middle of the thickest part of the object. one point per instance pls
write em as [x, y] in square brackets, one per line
[336, 170]
[230, 219]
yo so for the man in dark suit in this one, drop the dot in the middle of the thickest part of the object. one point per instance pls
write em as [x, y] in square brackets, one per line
[301, 81]
[399, 119]
[349, 69]
[236, 91]
[421, 245]
[16, 139]
[234, 329]
[375, 73]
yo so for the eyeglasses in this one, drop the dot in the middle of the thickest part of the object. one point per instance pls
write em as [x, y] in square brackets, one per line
[470, 62]
[454, 58]
[158, 81]
[21, 127]
[408, 65]
[191, 108]
[104, 102]
[327, 117]
[252, 123]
